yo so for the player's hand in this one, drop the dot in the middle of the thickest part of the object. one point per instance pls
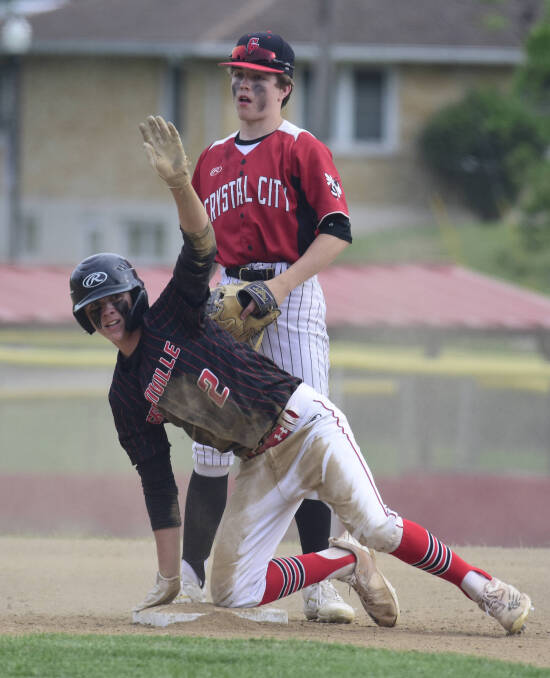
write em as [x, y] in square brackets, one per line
[279, 292]
[163, 592]
[165, 151]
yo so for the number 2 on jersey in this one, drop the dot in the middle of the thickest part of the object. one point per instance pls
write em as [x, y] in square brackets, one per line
[209, 382]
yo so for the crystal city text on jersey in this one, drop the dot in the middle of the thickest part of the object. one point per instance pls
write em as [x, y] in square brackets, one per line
[270, 192]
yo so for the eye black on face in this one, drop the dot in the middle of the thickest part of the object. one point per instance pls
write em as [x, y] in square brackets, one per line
[98, 304]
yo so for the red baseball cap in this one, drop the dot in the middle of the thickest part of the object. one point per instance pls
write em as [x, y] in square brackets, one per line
[262, 52]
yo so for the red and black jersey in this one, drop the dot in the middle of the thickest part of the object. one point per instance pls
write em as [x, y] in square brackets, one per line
[188, 371]
[270, 203]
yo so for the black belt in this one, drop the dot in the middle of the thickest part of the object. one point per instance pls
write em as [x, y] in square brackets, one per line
[250, 274]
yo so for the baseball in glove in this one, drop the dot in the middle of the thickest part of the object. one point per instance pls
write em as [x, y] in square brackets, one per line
[227, 302]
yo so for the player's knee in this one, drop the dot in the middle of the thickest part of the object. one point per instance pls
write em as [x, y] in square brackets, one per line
[384, 535]
[223, 596]
[228, 589]
[223, 583]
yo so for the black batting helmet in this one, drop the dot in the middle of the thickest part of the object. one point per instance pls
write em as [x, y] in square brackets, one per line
[100, 276]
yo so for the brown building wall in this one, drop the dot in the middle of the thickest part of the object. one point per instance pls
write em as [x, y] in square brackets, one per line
[82, 157]
[80, 126]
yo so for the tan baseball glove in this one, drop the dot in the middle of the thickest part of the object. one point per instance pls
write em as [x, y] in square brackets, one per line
[227, 302]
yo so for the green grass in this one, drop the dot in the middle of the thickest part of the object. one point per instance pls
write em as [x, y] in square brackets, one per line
[396, 245]
[493, 249]
[70, 435]
[65, 656]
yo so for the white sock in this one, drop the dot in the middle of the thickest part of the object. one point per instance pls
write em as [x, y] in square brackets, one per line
[188, 573]
[473, 584]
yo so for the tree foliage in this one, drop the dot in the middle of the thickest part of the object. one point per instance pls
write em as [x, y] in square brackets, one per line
[482, 146]
[532, 83]
[532, 80]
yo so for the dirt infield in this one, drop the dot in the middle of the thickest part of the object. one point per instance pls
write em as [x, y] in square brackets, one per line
[74, 585]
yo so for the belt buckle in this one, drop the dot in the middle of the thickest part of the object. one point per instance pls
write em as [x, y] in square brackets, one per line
[241, 269]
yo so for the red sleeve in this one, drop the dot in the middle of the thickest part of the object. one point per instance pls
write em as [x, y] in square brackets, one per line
[196, 180]
[319, 177]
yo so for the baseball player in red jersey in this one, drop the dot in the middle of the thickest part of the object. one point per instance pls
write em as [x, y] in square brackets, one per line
[176, 365]
[276, 203]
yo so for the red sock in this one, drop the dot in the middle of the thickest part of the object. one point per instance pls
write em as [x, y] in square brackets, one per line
[421, 549]
[287, 575]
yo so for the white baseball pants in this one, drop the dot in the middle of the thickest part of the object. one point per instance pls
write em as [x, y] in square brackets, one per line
[320, 460]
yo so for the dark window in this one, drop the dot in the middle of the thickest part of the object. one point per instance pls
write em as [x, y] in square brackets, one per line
[368, 106]
[146, 240]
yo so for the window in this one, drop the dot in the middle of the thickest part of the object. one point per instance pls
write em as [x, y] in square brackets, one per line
[94, 240]
[174, 94]
[91, 231]
[305, 95]
[5, 95]
[30, 240]
[368, 109]
[146, 241]
[364, 108]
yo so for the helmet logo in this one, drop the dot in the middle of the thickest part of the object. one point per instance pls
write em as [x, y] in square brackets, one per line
[252, 45]
[94, 279]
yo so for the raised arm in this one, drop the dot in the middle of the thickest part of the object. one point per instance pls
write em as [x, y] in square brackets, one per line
[162, 143]
[193, 271]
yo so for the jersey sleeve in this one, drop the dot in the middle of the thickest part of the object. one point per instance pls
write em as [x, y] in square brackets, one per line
[196, 180]
[140, 439]
[181, 303]
[319, 178]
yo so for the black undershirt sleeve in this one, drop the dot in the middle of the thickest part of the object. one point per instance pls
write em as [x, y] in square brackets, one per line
[337, 225]
[160, 491]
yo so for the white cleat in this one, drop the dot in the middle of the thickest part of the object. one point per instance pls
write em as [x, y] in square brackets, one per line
[190, 592]
[506, 604]
[375, 592]
[323, 603]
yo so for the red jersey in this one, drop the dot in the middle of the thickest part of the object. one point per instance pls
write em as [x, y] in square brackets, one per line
[266, 205]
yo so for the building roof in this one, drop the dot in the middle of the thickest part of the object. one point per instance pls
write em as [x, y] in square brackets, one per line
[392, 297]
[210, 27]
[443, 297]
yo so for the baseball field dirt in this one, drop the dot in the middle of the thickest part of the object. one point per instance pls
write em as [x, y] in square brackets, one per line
[89, 585]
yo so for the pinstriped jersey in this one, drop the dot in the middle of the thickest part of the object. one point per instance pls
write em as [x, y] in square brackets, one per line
[189, 372]
[267, 205]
